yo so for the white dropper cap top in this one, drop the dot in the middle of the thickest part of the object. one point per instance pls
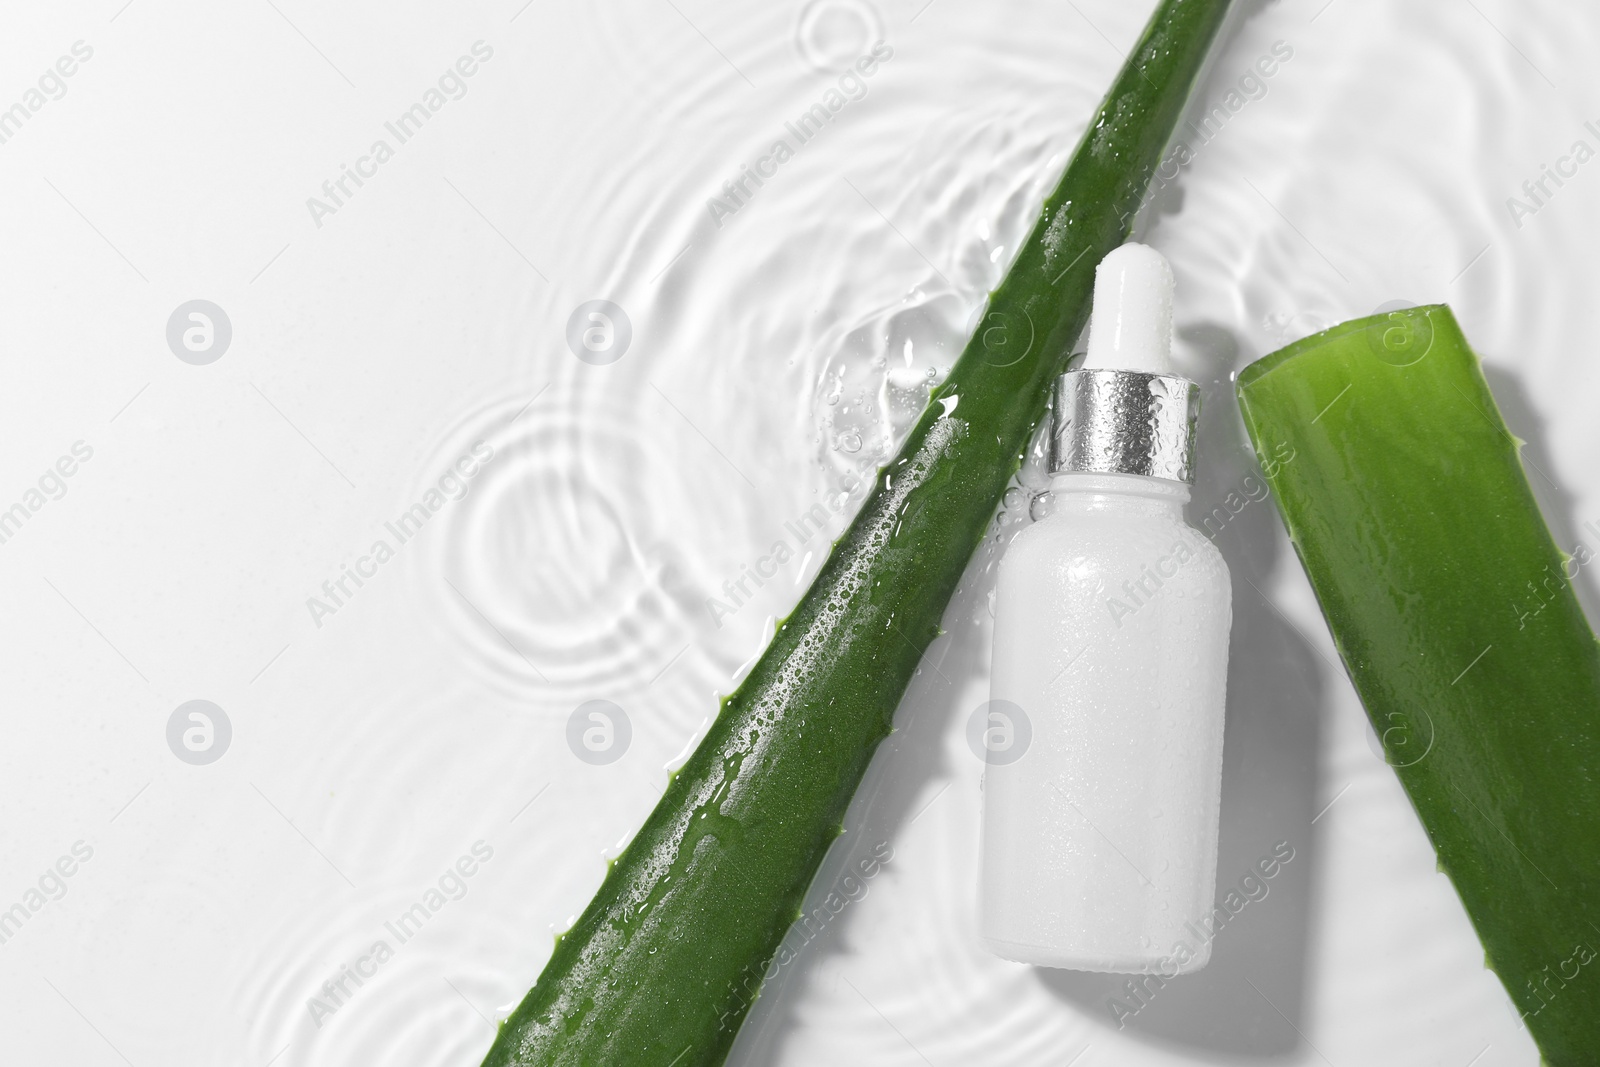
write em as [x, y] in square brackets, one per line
[1131, 328]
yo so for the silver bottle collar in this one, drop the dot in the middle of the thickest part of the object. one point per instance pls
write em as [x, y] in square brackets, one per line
[1125, 422]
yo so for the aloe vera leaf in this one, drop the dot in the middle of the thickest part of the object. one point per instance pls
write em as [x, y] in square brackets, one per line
[663, 965]
[1448, 600]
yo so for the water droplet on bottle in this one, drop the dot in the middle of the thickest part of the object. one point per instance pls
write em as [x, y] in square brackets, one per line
[850, 442]
[1012, 499]
[1039, 507]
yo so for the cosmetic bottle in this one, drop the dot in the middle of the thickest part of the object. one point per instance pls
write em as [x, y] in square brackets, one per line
[1099, 841]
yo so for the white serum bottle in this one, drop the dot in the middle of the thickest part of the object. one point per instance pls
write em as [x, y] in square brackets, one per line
[1111, 640]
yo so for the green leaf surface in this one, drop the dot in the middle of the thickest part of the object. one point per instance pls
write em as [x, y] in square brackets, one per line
[662, 966]
[1453, 611]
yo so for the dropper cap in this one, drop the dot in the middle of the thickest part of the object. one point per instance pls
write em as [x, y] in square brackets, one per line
[1123, 411]
[1131, 327]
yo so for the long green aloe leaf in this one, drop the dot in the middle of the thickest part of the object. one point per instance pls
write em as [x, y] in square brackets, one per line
[1452, 608]
[662, 966]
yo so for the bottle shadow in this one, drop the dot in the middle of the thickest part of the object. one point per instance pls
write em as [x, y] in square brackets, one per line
[1250, 1000]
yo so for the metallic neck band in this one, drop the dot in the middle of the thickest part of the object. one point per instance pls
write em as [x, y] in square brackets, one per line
[1125, 422]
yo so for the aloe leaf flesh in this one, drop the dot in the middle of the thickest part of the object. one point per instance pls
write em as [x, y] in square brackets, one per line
[1452, 608]
[662, 966]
